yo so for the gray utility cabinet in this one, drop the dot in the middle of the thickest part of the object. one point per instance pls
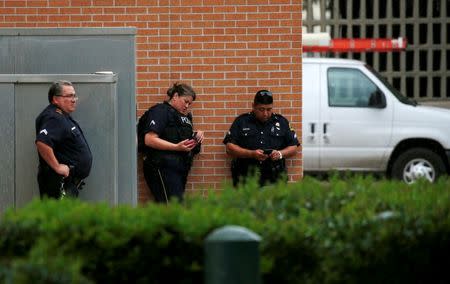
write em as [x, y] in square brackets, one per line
[64, 51]
[22, 98]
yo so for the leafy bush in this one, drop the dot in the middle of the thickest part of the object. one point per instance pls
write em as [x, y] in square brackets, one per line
[351, 230]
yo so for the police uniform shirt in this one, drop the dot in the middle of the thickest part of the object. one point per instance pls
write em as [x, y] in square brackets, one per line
[63, 134]
[249, 133]
[168, 123]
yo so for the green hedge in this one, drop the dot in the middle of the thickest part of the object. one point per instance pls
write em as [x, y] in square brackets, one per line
[350, 230]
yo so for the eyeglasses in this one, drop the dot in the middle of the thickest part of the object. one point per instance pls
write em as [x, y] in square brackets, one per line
[265, 93]
[70, 97]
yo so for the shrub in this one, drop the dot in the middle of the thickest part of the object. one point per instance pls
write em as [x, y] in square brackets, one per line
[351, 230]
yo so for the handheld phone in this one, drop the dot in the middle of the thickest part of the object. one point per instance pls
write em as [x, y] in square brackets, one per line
[194, 136]
[267, 151]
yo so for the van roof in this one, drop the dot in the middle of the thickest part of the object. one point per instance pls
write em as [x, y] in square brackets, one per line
[340, 61]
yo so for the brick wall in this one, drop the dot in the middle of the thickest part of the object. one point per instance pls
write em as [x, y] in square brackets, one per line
[226, 50]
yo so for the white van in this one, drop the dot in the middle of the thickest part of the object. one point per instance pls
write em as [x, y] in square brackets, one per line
[354, 120]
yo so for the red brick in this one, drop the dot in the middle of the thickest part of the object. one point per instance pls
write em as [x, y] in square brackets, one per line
[149, 3]
[92, 10]
[25, 11]
[137, 10]
[124, 18]
[59, 3]
[113, 10]
[37, 18]
[79, 18]
[37, 3]
[5, 11]
[81, 3]
[60, 18]
[53, 11]
[15, 18]
[102, 2]
[103, 18]
[15, 3]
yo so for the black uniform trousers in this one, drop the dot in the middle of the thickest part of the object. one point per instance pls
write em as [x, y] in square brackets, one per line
[50, 184]
[269, 172]
[166, 179]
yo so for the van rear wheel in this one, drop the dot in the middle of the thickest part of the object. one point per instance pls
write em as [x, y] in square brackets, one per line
[417, 163]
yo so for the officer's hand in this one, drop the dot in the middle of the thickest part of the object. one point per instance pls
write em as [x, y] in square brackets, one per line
[186, 145]
[275, 155]
[62, 170]
[259, 155]
[200, 136]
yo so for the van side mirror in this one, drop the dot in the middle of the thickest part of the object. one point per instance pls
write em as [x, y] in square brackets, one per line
[377, 100]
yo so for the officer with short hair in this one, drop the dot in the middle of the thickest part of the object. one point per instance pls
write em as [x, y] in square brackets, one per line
[65, 158]
[170, 144]
[260, 141]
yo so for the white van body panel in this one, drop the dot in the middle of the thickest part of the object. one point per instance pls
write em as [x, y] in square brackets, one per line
[311, 118]
[424, 121]
[341, 129]
[341, 133]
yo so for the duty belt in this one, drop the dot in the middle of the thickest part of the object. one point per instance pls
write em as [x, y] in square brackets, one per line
[71, 186]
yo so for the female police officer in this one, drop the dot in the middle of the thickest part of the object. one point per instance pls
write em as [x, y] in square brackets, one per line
[260, 140]
[171, 144]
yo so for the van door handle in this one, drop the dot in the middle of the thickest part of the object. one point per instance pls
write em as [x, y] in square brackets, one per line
[325, 130]
[312, 131]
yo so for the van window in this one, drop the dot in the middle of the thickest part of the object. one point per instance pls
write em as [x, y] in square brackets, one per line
[349, 87]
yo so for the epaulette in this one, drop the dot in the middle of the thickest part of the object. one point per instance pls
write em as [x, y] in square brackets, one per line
[58, 110]
[279, 116]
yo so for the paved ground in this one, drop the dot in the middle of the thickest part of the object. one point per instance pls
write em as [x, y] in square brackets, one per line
[444, 104]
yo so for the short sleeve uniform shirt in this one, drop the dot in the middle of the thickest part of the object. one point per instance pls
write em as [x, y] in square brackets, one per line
[247, 132]
[168, 123]
[63, 134]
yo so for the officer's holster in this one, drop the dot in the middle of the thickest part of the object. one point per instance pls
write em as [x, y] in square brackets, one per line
[71, 185]
[241, 169]
[272, 170]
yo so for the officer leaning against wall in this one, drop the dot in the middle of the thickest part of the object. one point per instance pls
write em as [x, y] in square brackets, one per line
[260, 140]
[65, 158]
[170, 143]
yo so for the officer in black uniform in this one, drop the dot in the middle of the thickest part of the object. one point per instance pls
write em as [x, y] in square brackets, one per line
[260, 141]
[171, 144]
[65, 158]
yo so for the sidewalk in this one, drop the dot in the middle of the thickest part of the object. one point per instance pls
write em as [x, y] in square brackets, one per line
[444, 104]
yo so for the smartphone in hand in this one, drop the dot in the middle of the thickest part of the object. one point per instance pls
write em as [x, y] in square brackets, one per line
[194, 136]
[268, 151]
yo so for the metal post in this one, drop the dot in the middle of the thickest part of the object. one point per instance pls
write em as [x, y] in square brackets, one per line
[232, 256]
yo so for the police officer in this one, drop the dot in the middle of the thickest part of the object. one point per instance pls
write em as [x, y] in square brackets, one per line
[171, 144]
[65, 158]
[260, 141]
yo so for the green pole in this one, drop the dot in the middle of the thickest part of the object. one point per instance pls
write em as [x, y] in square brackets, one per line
[232, 256]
